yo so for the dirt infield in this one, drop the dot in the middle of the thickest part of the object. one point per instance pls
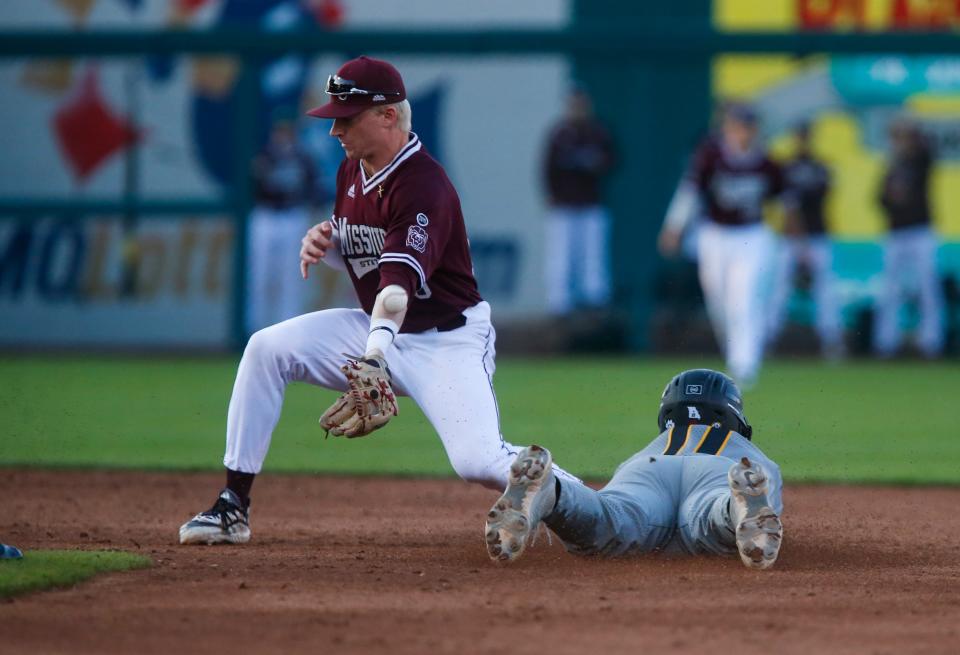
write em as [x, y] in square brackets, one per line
[356, 565]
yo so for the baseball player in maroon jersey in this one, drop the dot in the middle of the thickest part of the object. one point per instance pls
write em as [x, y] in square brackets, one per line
[729, 180]
[910, 249]
[423, 330]
[805, 240]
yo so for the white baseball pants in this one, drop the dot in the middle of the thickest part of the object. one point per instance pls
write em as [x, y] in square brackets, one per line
[577, 258]
[910, 262]
[448, 374]
[817, 252]
[275, 290]
[735, 265]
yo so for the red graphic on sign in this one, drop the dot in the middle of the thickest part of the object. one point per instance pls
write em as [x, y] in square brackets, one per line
[831, 14]
[190, 6]
[931, 14]
[88, 131]
[894, 14]
[328, 13]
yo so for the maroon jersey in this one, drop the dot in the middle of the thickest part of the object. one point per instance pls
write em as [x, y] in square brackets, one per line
[808, 182]
[734, 186]
[579, 155]
[404, 226]
[905, 194]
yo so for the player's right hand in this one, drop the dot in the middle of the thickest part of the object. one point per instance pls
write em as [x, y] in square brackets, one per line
[314, 245]
[669, 242]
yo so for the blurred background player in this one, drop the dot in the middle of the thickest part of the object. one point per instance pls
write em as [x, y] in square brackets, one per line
[700, 487]
[730, 178]
[805, 241]
[910, 250]
[285, 188]
[579, 155]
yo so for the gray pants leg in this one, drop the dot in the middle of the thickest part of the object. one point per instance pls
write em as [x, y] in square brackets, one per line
[649, 503]
[703, 516]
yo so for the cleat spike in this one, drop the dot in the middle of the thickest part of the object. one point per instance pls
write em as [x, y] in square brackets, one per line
[530, 495]
[758, 529]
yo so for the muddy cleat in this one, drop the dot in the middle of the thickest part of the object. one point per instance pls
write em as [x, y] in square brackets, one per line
[530, 495]
[227, 522]
[758, 528]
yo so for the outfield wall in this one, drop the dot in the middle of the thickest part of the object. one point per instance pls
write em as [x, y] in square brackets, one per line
[116, 240]
[173, 120]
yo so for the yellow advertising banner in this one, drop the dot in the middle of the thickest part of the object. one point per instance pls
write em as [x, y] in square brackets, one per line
[850, 101]
[836, 15]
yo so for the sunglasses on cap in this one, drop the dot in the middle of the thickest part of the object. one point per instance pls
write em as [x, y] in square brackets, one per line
[337, 86]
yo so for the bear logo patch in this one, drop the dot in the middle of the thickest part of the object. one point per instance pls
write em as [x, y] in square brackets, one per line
[417, 238]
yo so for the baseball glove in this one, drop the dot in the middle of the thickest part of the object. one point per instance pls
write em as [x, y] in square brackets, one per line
[368, 403]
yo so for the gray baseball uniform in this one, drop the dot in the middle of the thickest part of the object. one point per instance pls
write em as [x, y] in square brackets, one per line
[671, 496]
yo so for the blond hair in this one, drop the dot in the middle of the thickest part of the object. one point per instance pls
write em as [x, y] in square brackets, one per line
[404, 114]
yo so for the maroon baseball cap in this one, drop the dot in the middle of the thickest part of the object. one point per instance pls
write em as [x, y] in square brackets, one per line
[361, 83]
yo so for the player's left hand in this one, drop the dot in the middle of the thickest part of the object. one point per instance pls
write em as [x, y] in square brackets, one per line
[368, 403]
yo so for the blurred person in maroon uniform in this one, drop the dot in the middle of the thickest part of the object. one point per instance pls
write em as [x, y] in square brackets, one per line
[579, 155]
[805, 240]
[423, 329]
[910, 249]
[728, 182]
[285, 190]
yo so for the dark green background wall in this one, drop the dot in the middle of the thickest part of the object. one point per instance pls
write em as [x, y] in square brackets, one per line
[656, 108]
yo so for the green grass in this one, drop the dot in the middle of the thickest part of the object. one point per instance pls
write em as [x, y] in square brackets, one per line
[856, 422]
[44, 569]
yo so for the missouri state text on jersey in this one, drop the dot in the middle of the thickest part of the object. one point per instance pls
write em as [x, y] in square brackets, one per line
[732, 185]
[404, 226]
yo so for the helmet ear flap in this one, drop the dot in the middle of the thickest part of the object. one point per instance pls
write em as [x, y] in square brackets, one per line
[747, 431]
[665, 418]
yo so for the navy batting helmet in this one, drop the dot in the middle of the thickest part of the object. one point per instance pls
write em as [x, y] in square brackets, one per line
[705, 397]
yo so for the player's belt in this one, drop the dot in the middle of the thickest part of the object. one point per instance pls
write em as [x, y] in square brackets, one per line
[457, 321]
